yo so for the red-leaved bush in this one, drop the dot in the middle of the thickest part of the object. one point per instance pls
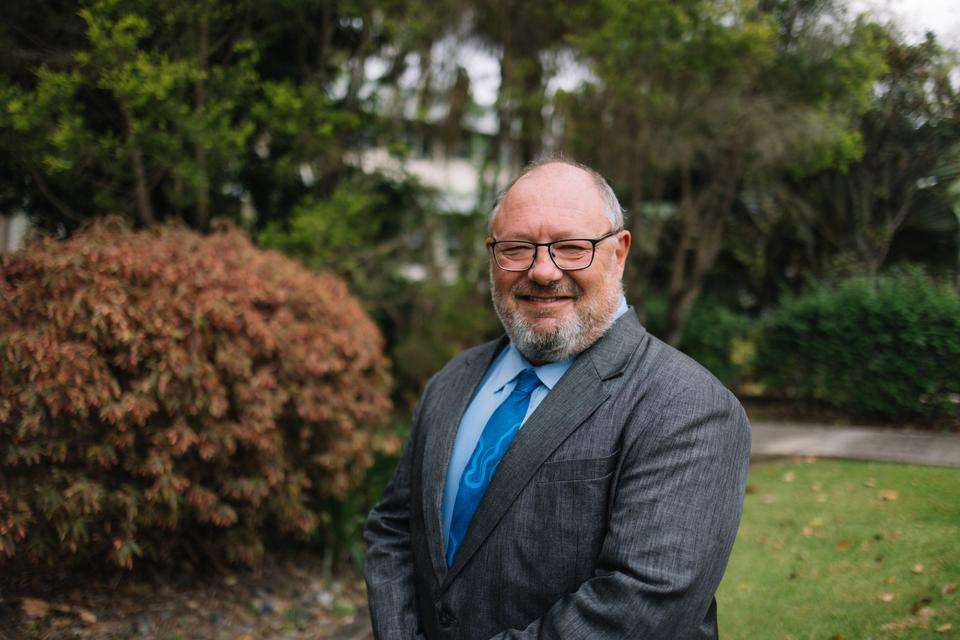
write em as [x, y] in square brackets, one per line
[165, 392]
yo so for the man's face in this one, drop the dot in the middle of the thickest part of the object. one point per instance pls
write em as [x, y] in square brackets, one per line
[551, 314]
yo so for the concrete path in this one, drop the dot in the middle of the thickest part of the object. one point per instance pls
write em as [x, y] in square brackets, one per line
[859, 443]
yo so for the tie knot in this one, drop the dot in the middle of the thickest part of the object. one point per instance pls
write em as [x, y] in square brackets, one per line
[527, 381]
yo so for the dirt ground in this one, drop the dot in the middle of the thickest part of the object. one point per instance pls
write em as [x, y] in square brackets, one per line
[288, 598]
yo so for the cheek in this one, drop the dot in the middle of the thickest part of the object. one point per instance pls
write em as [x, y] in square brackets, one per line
[503, 280]
[587, 283]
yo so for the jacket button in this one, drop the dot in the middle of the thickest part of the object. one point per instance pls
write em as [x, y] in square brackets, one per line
[446, 618]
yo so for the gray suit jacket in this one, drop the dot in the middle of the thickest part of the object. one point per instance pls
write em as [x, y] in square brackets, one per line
[612, 514]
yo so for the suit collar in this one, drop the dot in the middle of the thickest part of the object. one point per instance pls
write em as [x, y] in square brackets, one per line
[612, 352]
[443, 419]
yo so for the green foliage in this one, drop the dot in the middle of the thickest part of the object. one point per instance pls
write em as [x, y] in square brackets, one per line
[887, 348]
[450, 318]
[715, 336]
[328, 231]
[167, 393]
[160, 110]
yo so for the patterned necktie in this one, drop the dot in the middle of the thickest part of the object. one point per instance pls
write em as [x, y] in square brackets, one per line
[493, 444]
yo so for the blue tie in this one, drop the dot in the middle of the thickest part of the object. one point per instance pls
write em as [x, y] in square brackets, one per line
[494, 442]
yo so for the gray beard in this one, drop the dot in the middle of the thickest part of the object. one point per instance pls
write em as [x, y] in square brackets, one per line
[588, 323]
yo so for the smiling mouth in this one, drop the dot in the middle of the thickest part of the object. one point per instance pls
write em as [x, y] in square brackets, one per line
[544, 299]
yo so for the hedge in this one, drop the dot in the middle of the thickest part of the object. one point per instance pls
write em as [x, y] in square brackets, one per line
[169, 394]
[887, 348]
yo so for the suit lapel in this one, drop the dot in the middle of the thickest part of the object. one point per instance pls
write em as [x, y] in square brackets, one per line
[444, 420]
[574, 398]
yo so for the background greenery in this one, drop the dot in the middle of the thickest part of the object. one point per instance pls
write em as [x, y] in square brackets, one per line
[789, 168]
[757, 145]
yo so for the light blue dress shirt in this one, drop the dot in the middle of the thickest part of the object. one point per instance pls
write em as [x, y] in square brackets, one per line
[496, 385]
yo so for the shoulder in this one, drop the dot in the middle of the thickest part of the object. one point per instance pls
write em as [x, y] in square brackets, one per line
[671, 371]
[672, 383]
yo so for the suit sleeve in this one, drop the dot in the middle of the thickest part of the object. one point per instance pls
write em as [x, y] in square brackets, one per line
[672, 524]
[388, 565]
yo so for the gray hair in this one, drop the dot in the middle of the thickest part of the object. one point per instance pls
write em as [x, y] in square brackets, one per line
[611, 206]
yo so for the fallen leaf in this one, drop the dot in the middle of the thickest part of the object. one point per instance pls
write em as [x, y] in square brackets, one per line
[944, 628]
[917, 568]
[886, 597]
[806, 531]
[843, 545]
[888, 495]
[950, 587]
[922, 612]
[892, 535]
[750, 488]
[34, 608]
[816, 487]
[244, 636]
[838, 636]
[789, 476]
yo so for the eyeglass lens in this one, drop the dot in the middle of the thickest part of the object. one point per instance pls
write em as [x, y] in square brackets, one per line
[567, 254]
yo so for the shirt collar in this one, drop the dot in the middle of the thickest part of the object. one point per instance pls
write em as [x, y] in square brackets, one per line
[513, 363]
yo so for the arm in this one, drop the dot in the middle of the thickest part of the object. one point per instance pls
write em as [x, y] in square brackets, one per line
[672, 524]
[388, 565]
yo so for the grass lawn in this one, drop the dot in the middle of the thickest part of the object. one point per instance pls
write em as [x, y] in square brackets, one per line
[845, 550]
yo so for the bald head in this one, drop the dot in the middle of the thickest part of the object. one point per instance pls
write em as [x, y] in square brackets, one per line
[562, 181]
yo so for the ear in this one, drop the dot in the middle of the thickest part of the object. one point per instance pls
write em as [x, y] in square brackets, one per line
[623, 248]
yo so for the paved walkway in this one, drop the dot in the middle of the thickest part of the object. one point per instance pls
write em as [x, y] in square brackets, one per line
[859, 443]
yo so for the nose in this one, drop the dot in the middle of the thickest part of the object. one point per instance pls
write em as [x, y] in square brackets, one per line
[543, 270]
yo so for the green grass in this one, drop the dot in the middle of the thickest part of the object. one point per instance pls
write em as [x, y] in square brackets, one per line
[822, 555]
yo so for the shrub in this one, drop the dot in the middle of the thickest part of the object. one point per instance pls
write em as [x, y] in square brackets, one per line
[888, 348]
[714, 336]
[167, 393]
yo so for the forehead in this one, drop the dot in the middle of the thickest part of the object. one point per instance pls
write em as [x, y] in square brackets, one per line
[551, 200]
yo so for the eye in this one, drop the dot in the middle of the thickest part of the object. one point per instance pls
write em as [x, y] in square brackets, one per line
[571, 249]
[514, 249]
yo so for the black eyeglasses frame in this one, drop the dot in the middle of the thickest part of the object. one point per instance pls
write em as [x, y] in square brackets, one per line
[491, 245]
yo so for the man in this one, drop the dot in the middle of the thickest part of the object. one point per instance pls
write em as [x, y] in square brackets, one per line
[580, 479]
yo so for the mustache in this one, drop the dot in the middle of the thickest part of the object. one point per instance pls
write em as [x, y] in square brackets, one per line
[559, 288]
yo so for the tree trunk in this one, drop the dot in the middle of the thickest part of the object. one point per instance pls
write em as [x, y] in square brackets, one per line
[200, 101]
[141, 187]
[531, 108]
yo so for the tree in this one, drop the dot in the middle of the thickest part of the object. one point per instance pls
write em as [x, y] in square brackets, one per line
[695, 98]
[163, 110]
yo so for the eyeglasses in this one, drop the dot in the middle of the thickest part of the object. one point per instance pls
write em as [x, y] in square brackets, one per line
[572, 254]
